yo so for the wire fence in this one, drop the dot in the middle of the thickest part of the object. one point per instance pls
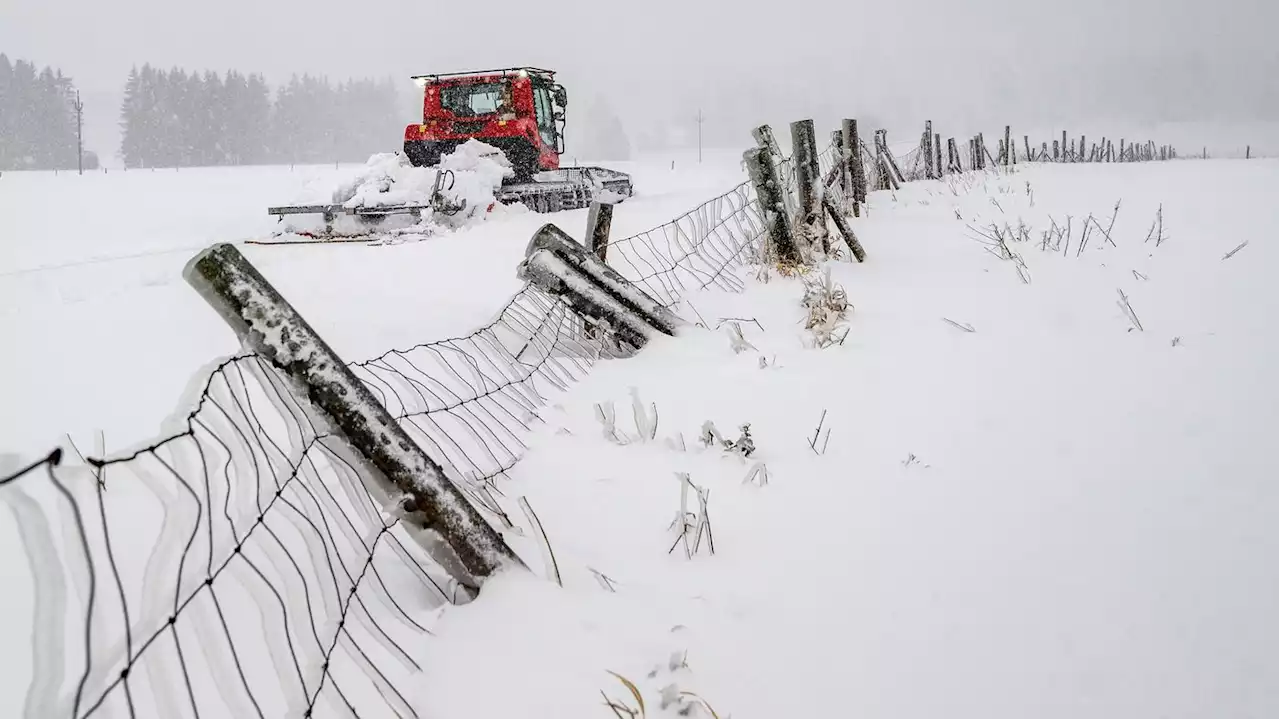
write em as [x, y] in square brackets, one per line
[243, 566]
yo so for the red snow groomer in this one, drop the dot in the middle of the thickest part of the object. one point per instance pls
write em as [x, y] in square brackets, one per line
[520, 111]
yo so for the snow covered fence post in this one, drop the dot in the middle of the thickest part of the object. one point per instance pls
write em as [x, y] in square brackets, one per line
[812, 226]
[1008, 147]
[764, 177]
[853, 155]
[599, 219]
[926, 146]
[560, 266]
[937, 154]
[395, 466]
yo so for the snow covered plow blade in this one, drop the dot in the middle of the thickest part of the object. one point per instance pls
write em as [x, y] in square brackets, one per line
[606, 301]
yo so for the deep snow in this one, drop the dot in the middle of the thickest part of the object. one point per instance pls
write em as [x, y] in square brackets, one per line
[1051, 515]
[102, 333]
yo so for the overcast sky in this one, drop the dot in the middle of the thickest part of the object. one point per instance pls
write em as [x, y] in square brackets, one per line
[743, 61]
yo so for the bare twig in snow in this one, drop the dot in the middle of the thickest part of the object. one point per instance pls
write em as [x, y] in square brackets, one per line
[966, 326]
[753, 320]
[759, 473]
[1139, 276]
[813, 443]
[1237, 249]
[605, 581]
[529, 514]
[1127, 308]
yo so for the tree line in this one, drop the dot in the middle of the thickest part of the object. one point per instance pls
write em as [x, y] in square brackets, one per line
[179, 119]
[37, 118]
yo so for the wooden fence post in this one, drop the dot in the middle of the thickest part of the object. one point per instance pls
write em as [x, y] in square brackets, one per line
[395, 464]
[888, 156]
[1026, 145]
[937, 153]
[777, 226]
[811, 225]
[1055, 152]
[1064, 146]
[953, 156]
[853, 155]
[1247, 148]
[926, 146]
[982, 152]
[599, 219]
[1009, 150]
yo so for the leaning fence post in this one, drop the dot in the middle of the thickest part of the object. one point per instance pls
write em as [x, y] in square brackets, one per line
[599, 219]
[271, 327]
[764, 177]
[842, 226]
[804, 153]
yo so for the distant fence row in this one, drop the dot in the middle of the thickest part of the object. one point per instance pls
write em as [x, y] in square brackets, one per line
[247, 565]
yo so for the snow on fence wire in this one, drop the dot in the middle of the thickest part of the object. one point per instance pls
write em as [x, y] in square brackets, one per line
[240, 566]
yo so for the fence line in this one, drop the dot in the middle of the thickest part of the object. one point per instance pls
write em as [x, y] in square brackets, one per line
[240, 566]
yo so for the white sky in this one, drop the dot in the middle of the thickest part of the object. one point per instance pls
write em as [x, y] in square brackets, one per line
[744, 62]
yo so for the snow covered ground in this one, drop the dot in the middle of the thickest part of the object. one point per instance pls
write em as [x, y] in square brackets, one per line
[1054, 514]
[102, 333]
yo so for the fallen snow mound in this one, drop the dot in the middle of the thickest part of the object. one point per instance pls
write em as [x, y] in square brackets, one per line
[474, 173]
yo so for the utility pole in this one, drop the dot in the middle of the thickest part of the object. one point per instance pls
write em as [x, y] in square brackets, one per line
[700, 120]
[79, 133]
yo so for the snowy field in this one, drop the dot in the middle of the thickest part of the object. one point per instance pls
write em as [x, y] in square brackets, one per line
[1054, 515]
[102, 333]
[1024, 499]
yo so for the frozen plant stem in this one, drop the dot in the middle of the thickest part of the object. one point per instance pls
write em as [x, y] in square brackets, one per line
[813, 443]
[1123, 302]
[552, 565]
[1237, 249]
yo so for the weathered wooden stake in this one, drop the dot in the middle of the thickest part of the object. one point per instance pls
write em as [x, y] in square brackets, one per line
[804, 154]
[1009, 150]
[395, 465]
[764, 177]
[1247, 148]
[982, 152]
[898, 177]
[599, 219]
[953, 156]
[853, 154]
[1026, 145]
[1056, 158]
[842, 226]
[926, 146]
[937, 153]
[1064, 145]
